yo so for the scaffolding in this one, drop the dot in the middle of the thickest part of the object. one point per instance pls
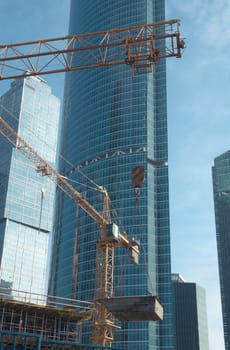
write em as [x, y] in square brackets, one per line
[53, 323]
[26, 341]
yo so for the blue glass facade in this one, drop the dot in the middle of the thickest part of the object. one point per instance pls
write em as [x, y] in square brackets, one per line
[26, 205]
[190, 316]
[221, 190]
[111, 123]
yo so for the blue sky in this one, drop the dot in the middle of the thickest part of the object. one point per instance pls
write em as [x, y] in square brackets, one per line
[198, 112]
[199, 125]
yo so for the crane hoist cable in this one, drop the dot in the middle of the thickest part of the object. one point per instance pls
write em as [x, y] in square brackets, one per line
[138, 178]
[96, 186]
[141, 47]
[111, 236]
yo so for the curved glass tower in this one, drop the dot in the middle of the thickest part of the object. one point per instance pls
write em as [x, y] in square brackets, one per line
[112, 123]
[221, 191]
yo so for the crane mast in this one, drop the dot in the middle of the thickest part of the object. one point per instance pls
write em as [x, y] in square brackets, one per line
[139, 46]
[103, 321]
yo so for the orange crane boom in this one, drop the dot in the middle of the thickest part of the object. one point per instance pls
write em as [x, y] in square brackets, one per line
[103, 321]
[138, 46]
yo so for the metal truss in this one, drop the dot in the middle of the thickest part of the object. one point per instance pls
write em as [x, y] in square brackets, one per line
[138, 46]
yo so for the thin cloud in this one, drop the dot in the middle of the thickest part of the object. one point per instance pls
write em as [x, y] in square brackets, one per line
[199, 124]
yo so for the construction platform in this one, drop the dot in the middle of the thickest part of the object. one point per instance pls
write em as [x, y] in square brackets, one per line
[10, 340]
[52, 323]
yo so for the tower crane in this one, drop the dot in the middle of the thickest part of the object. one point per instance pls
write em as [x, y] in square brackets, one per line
[103, 322]
[139, 46]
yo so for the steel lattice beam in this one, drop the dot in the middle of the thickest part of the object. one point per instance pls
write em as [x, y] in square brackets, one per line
[46, 170]
[103, 321]
[138, 46]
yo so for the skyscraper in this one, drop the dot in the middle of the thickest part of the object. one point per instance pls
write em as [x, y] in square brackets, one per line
[221, 190]
[112, 123]
[190, 315]
[27, 198]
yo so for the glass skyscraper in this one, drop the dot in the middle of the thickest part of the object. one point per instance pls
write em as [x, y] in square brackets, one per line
[190, 315]
[112, 123]
[27, 198]
[221, 190]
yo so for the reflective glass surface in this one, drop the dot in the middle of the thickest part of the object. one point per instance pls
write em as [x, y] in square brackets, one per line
[221, 188]
[190, 317]
[111, 123]
[24, 259]
[27, 198]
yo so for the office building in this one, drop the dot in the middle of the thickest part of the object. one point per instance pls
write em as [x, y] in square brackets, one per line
[26, 198]
[221, 190]
[112, 123]
[190, 315]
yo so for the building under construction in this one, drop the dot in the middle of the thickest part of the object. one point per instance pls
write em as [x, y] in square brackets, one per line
[55, 323]
[52, 323]
[48, 324]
